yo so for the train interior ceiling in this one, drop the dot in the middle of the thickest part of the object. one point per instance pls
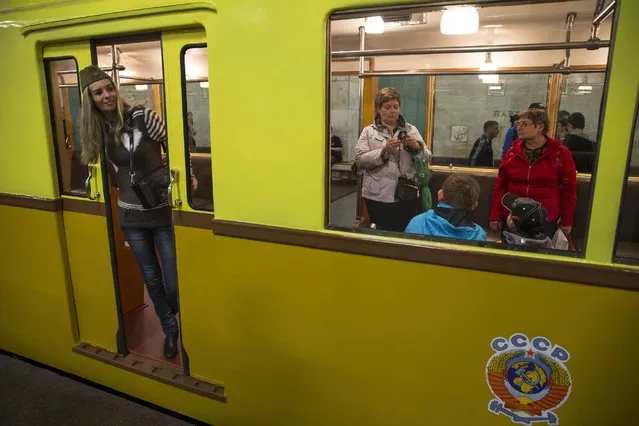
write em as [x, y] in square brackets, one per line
[449, 96]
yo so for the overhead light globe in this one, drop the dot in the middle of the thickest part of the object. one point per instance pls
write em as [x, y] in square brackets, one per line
[461, 20]
[374, 25]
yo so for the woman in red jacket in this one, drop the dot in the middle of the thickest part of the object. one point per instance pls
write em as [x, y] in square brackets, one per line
[537, 167]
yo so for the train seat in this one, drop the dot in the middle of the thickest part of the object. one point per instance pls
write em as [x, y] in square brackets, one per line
[629, 229]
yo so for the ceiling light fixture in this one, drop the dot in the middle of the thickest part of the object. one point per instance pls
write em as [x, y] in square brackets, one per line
[488, 66]
[461, 20]
[204, 84]
[141, 87]
[374, 25]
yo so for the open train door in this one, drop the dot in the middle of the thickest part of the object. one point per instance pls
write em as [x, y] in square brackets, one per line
[80, 187]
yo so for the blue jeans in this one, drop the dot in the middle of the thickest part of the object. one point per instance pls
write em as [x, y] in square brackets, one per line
[161, 283]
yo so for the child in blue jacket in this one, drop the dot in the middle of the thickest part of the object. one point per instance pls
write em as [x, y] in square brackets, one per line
[452, 217]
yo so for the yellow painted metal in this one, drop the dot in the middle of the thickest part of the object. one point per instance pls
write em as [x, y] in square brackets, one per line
[82, 53]
[91, 278]
[298, 336]
[616, 137]
[303, 336]
[117, 16]
[35, 290]
[87, 244]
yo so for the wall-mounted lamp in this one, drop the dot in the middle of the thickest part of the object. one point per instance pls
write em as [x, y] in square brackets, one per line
[460, 20]
[488, 66]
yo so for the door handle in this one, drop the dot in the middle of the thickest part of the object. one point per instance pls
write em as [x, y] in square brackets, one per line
[178, 202]
[87, 184]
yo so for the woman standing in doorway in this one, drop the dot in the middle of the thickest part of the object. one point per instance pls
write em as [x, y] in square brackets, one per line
[107, 120]
[392, 154]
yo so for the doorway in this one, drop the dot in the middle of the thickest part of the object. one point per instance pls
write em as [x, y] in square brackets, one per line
[137, 69]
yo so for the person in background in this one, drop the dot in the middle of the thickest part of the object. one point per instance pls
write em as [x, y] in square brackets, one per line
[336, 148]
[511, 135]
[538, 167]
[192, 132]
[562, 123]
[391, 156]
[482, 152]
[525, 223]
[452, 217]
[579, 144]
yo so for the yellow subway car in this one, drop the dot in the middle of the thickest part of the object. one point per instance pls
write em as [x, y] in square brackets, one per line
[317, 155]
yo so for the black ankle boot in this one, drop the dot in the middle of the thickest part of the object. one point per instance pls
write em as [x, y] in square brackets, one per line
[171, 345]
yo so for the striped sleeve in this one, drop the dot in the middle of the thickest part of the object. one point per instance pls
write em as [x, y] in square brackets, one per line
[155, 126]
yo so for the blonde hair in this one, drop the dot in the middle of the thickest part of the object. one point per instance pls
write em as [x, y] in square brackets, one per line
[93, 123]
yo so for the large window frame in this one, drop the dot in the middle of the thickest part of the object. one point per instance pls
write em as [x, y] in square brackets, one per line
[553, 95]
[85, 192]
[185, 107]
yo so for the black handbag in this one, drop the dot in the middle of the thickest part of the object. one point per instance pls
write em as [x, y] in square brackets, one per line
[407, 190]
[152, 188]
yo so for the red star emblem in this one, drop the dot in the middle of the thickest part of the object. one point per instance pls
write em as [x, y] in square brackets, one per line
[530, 353]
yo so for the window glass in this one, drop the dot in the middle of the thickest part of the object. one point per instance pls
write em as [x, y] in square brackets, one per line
[628, 231]
[197, 125]
[464, 105]
[64, 101]
[578, 116]
[148, 95]
[461, 114]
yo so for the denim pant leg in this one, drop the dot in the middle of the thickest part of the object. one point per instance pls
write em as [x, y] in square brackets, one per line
[166, 248]
[142, 244]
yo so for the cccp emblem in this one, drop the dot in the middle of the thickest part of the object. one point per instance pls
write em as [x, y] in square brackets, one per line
[529, 379]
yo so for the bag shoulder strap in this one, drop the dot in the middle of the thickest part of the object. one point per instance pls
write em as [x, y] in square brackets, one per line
[131, 154]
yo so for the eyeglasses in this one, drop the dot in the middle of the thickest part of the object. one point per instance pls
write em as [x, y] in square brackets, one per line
[524, 124]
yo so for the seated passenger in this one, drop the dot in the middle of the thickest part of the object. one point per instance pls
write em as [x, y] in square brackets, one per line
[336, 148]
[452, 217]
[526, 225]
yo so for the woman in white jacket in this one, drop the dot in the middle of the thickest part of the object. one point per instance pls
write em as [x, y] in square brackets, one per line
[389, 152]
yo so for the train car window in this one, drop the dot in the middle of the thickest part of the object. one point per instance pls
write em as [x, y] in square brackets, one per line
[445, 124]
[197, 128]
[627, 248]
[148, 95]
[64, 102]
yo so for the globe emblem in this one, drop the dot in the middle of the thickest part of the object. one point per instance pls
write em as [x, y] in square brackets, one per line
[527, 377]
